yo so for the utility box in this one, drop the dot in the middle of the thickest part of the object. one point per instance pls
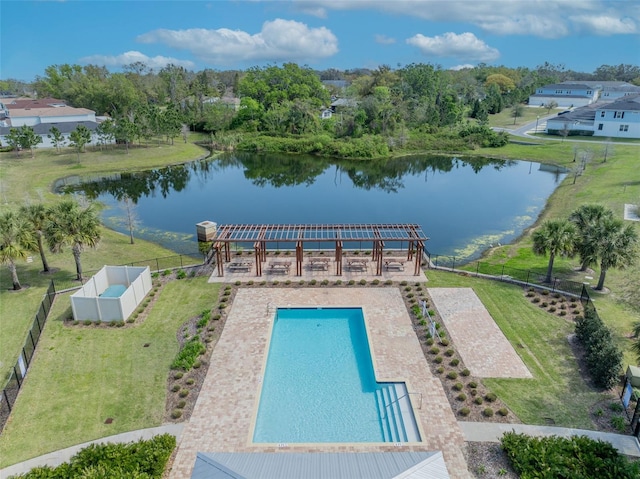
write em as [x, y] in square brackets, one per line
[633, 375]
[206, 230]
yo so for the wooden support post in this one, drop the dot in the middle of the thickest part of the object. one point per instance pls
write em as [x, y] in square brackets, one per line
[220, 263]
[338, 258]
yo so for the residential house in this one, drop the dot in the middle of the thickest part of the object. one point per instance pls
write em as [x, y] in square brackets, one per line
[566, 95]
[44, 114]
[615, 119]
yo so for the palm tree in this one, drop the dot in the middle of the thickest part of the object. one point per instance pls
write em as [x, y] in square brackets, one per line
[554, 237]
[617, 246]
[37, 215]
[587, 217]
[75, 226]
[16, 241]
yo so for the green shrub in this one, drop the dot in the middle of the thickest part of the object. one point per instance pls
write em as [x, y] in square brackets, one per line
[454, 362]
[166, 272]
[503, 411]
[325, 282]
[465, 411]
[619, 423]
[351, 282]
[478, 400]
[181, 404]
[363, 282]
[461, 397]
[375, 282]
[452, 375]
[190, 381]
[465, 372]
[473, 384]
[444, 341]
[616, 407]
[186, 357]
[434, 350]
[570, 457]
[440, 369]
[313, 282]
[458, 386]
[388, 282]
[176, 413]
[216, 317]
[144, 459]
[438, 359]
[535, 300]
[175, 388]
[429, 341]
[87, 322]
[487, 412]
[197, 364]
[490, 397]
[183, 393]
[449, 352]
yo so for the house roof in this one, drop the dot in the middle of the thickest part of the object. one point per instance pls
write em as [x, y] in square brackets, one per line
[627, 103]
[566, 86]
[49, 111]
[44, 128]
[585, 114]
[547, 95]
[369, 465]
[344, 102]
[19, 103]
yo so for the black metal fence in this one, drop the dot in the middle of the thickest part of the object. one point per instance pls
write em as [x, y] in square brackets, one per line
[19, 370]
[501, 272]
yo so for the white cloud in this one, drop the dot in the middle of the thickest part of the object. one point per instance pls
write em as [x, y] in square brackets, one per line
[384, 40]
[462, 67]
[134, 56]
[465, 46]
[279, 40]
[541, 18]
[605, 25]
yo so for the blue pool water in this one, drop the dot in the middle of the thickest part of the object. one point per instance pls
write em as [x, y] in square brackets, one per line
[319, 384]
[114, 291]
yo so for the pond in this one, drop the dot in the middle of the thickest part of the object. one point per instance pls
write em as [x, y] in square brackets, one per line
[464, 205]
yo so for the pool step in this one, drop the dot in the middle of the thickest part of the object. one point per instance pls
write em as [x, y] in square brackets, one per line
[396, 414]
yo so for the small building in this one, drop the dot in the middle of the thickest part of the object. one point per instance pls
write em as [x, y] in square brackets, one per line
[112, 294]
[619, 119]
[566, 95]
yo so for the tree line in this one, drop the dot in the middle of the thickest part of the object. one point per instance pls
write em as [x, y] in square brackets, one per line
[402, 106]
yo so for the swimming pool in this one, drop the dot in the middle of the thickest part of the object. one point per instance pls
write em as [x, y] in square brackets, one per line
[114, 291]
[319, 383]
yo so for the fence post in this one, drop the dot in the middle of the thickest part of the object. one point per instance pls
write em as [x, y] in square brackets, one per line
[32, 341]
[6, 398]
[478, 268]
[15, 373]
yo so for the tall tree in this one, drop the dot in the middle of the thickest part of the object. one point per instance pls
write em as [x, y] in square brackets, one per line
[37, 216]
[617, 246]
[586, 218]
[16, 241]
[56, 137]
[75, 226]
[28, 139]
[516, 112]
[554, 237]
[130, 215]
[78, 138]
[13, 140]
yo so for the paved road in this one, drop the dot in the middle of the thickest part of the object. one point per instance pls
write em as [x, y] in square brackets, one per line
[472, 431]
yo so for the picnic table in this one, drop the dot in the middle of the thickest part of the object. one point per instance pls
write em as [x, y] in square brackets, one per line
[357, 264]
[240, 266]
[280, 267]
[319, 263]
[394, 264]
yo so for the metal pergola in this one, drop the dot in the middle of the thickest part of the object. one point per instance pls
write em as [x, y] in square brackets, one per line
[300, 234]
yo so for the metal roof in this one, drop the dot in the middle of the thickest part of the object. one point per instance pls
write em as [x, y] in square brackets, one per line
[366, 465]
[319, 232]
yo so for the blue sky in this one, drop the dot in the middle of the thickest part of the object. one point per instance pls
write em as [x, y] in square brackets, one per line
[342, 34]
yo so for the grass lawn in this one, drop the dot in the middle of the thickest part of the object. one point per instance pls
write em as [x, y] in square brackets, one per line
[23, 177]
[557, 391]
[18, 309]
[612, 184]
[84, 375]
[505, 118]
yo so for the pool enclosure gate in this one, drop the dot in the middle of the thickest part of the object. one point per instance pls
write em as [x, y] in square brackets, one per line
[377, 235]
[91, 302]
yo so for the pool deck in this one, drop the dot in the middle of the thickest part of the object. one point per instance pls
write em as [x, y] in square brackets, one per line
[224, 414]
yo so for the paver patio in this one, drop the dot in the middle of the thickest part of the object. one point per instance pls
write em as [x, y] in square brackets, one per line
[484, 349]
[225, 412]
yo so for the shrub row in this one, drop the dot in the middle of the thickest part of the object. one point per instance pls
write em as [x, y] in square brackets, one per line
[604, 358]
[187, 356]
[143, 459]
[574, 457]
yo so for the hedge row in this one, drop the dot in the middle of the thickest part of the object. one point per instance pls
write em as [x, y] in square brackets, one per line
[577, 457]
[145, 459]
[604, 358]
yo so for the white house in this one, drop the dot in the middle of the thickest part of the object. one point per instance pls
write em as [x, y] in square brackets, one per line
[566, 95]
[616, 119]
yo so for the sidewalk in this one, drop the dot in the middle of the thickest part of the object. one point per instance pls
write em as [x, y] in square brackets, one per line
[56, 458]
[491, 432]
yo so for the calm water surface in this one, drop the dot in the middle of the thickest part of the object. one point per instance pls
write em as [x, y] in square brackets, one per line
[463, 205]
